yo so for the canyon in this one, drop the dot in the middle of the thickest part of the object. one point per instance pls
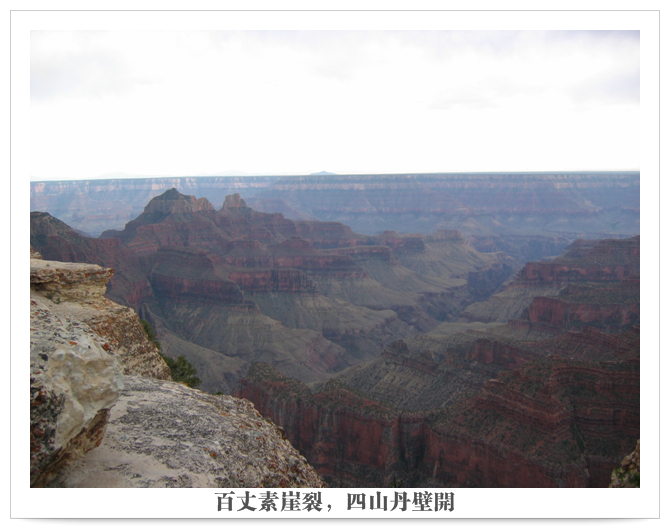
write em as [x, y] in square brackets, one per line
[495, 346]
[527, 215]
[105, 412]
[549, 399]
[232, 286]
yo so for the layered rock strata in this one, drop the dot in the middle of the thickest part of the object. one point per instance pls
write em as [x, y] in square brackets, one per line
[480, 204]
[311, 298]
[592, 283]
[552, 422]
[497, 206]
[548, 400]
[105, 412]
[75, 292]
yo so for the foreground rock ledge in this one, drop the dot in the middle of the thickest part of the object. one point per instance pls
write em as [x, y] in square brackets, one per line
[165, 434]
[75, 376]
[161, 434]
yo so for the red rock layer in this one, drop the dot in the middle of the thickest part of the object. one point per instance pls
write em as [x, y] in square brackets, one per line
[549, 272]
[556, 315]
[401, 243]
[552, 422]
[204, 290]
[276, 280]
[502, 354]
[606, 260]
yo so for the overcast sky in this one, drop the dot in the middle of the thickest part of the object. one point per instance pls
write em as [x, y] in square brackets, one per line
[297, 102]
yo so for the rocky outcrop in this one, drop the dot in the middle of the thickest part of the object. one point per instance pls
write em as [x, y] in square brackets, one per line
[163, 434]
[233, 201]
[75, 292]
[558, 315]
[172, 201]
[554, 413]
[74, 380]
[81, 343]
[523, 248]
[481, 204]
[95, 206]
[595, 261]
[627, 475]
[105, 412]
[309, 297]
[593, 283]
[74, 383]
[342, 435]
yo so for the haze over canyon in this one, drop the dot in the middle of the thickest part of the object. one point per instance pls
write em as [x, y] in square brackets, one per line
[471, 329]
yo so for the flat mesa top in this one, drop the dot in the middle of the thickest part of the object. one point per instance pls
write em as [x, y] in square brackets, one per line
[335, 176]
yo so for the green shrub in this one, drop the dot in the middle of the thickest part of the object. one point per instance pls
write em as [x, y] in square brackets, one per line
[150, 333]
[181, 369]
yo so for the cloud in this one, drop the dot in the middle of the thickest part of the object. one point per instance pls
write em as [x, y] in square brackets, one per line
[80, 64]
[186, 102]
[610, 88]
[574, 68]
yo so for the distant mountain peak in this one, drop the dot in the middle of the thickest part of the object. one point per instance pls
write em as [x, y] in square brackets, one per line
[234, 201]
[322, 173]
[171, 194]
[172, 201]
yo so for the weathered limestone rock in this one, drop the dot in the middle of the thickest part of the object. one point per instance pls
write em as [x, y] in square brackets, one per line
[628, 474]
[74, 382]
[165, 434]
[76, 292]
[80, 343]
[157, 433]
[69, 280]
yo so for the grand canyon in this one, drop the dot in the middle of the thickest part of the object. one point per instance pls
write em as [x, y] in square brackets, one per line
[461, 330]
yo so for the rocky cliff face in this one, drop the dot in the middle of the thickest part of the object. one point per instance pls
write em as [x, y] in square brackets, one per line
[557, 314]
[239, 285]
[478, 204]
[94, 206]
[593, 283]
[523, 248]
[548, 400]
[594, 261]
[105, 412]
[552, 422]
[81, 344]
[559, 414]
